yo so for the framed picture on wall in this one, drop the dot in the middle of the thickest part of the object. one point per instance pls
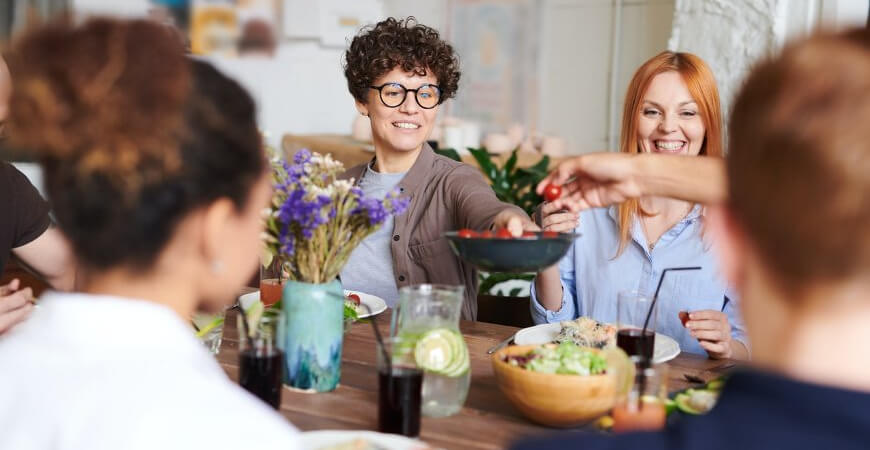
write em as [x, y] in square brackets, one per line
[498, 42]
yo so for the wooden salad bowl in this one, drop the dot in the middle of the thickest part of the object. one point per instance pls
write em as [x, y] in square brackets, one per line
[554, 400]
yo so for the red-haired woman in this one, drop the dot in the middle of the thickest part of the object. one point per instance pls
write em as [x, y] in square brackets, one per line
[671, 107]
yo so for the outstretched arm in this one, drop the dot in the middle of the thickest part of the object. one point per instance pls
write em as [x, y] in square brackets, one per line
[602, 179]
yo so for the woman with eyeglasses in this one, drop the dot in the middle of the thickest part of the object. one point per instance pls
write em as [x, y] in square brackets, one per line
[399, 73]
[671, 108]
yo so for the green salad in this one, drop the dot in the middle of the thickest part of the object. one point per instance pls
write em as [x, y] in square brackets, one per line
[566, 358]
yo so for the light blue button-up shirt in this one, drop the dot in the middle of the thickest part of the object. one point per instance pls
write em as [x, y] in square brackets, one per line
[592, 276]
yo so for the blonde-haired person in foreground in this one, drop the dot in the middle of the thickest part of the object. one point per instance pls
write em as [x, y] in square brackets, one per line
[791, 229]
[156, 174]
[671, 108]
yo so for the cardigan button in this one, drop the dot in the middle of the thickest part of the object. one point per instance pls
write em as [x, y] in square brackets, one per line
[396, 237]
[401, 278]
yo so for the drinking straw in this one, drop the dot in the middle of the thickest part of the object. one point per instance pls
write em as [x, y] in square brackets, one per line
[244, 330]
[656, 295]
[380, 340]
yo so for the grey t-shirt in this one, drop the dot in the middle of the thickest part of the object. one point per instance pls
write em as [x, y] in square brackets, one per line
[370, 266]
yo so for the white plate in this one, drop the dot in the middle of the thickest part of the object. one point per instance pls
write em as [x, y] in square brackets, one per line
[375, 303]
[314, 440]
[665, 347]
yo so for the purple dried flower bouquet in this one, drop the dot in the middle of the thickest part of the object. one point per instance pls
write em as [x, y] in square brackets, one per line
[316, 220]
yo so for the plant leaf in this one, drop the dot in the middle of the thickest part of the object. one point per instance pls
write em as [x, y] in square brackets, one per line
[489, 281]
[511, 163]
[485, 162]
[542, 165]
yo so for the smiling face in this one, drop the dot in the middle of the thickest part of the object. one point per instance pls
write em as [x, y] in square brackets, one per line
[404, 128]
[669, 121]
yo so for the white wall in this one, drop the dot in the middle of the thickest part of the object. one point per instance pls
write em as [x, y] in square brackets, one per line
[730, 35]
[301, 90]
[583, 42]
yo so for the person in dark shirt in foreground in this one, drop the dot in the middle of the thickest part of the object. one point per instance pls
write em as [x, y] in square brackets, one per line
[792, 230]
[26, 231]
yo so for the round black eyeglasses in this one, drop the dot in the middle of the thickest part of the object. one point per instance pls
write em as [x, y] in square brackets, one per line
[392, 95]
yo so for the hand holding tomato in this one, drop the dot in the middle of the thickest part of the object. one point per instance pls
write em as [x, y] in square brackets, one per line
[555, 217]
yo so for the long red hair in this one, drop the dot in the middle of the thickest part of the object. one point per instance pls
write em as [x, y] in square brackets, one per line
[702, 87]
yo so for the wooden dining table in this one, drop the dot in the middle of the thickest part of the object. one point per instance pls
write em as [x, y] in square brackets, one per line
[487, 421]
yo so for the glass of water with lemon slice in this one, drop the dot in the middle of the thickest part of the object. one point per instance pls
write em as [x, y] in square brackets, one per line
[209, 329]
[427, 321]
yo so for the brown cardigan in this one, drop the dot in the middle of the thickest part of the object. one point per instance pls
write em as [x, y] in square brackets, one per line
[445, 195]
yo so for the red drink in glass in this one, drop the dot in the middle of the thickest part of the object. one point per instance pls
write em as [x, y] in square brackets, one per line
[270, 291]
[648, 415]
[635, 342]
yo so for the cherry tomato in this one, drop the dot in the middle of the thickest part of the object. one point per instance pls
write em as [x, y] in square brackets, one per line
[684, 317]
[354, 298]
[552, 192]
[529, 234]
[503, 233]
[550, 234]
[466, 233]
[485, 234]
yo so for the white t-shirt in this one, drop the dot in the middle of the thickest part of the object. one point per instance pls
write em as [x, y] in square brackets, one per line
[106, 373]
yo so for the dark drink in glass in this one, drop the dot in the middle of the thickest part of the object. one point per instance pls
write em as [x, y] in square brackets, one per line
[262, 374]
[636, 342]
[399, 401]
[261, 355]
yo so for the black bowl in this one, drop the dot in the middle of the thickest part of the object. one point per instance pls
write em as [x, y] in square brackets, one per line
[526, 254]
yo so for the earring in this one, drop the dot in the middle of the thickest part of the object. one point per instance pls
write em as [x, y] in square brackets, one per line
[217, 266]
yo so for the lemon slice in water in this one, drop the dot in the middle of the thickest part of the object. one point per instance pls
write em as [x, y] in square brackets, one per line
[442, 351]
[253, 315]
[434, 350]
[204, 329]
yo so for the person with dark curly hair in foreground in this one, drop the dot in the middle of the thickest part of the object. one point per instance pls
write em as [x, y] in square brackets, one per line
[155, 168]
[399, 73]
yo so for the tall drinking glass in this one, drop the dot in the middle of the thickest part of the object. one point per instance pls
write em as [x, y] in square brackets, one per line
[209, 329]
[261, 355]
[400, 388]
[643, 406]
[632, 308]
[429, 315]
[272, 278]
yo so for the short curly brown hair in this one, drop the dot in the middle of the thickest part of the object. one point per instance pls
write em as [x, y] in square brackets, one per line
[132, 135]
[403, 43]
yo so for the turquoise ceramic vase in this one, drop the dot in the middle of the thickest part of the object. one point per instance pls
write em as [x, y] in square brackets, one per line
[315, 325]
